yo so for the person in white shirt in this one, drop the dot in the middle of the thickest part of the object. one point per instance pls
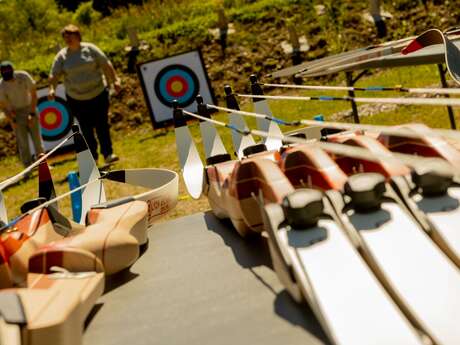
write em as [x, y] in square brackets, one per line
[87, 74]
[18, 100]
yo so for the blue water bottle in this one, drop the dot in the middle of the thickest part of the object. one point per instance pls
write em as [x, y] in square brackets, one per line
[75, 198]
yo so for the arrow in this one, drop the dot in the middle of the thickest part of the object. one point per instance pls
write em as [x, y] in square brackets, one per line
[404, 132]
[264, 124]
[401, 101]
[16, 178]
[190, 162]
[240, 142]
[213, 145]
[440, 91]
[163, 185]
[88, 171]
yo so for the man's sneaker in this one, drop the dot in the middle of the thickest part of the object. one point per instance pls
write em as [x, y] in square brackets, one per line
[111, 158]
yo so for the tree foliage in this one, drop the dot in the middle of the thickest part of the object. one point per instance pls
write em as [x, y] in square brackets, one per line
[85, 14]
[24, 20]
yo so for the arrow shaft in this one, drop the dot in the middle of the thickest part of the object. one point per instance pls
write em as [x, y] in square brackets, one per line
[219, 123]
[401, 101]
[256, 115]
[48, 203]
[443, 91]
[31, 167]
[404, 132]
[338, 149]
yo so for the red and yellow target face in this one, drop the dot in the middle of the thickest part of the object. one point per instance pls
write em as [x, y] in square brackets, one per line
[177, 86]
[49, 118]
[176, 82]
[55, 119]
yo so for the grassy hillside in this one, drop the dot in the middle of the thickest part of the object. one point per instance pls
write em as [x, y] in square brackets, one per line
[176, 26]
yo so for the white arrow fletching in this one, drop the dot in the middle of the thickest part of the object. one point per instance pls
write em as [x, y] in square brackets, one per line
[240, 142]
[3, 212]
[211, 140]
[262, 107]
[94, 193]
[190, 162]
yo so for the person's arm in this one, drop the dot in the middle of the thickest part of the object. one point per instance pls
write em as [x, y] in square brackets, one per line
[32, 91]
[111, 76]
[53, 80]
[106, 67]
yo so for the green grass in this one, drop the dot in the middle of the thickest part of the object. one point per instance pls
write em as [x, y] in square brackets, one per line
[140, 148]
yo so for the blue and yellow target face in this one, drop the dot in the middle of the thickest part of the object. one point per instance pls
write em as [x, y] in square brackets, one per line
[55, 118]
[176, 82]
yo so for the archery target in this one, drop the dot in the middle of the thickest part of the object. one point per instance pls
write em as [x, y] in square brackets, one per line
[181, 77]
[177, 82]
[54, 117]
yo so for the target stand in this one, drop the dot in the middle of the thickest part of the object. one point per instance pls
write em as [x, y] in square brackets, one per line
[55, 118]
[180, 77]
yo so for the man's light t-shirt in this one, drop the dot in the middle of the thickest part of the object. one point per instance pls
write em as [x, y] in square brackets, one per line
[82, 71]
[16, 93]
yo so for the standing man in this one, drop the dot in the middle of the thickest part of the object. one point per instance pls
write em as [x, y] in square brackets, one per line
[18, 100]
[87, 73]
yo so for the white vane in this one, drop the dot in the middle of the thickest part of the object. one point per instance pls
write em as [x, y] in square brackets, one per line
[3, 212]
[265, 125]
[190, 162]
[93, 194]
[212, 141]
[240, 142]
